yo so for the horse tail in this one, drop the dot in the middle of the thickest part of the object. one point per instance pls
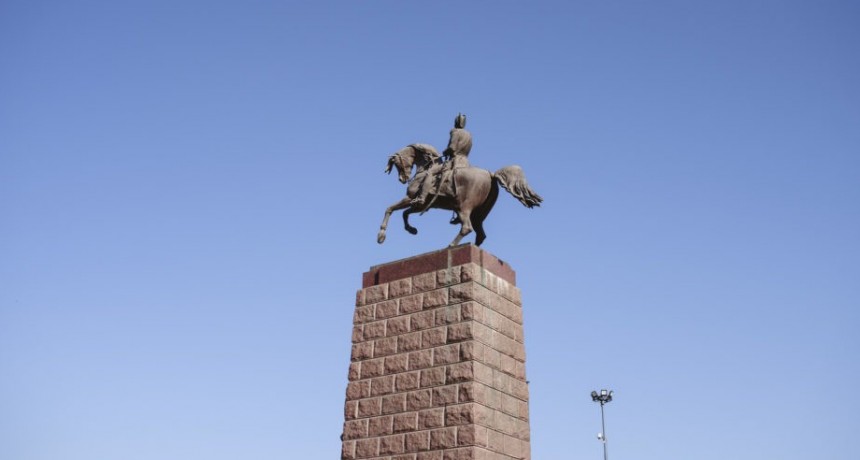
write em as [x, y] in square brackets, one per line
[513, 179]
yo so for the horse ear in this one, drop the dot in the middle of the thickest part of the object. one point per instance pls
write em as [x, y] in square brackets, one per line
[390, 164]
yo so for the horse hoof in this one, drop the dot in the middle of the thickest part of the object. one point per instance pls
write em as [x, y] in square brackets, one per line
[413, 231]
[381, 238]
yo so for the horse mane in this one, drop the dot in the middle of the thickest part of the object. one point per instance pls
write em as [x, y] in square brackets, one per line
[426, 156]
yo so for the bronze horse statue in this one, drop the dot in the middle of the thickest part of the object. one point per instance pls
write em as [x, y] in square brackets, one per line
[471, 196]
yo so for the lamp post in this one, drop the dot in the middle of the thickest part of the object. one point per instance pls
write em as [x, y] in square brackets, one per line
[603, 397]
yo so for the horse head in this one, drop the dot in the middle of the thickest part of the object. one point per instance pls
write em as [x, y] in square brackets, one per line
[403, 160]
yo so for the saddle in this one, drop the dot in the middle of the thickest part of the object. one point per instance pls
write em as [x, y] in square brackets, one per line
[443, 185]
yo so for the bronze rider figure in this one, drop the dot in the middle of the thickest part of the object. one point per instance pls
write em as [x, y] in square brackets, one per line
[456, 155]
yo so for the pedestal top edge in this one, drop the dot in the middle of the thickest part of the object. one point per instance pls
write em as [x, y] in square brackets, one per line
[438, 260]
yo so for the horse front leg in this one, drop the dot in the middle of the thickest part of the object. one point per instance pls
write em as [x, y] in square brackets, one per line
[406, 225]
[404, 203]
[465, 226]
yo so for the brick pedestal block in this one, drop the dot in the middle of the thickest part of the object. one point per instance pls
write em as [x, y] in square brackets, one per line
[438, 362]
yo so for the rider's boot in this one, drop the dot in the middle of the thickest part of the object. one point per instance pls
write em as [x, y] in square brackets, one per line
[426, 185]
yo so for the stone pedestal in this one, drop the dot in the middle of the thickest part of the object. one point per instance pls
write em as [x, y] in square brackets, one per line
[438, 362]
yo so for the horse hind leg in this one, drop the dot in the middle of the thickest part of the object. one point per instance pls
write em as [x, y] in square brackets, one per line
[465, 227]
[478, 225]
[481, 212]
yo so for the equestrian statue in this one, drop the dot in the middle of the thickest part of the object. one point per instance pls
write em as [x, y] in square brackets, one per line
[448, 182]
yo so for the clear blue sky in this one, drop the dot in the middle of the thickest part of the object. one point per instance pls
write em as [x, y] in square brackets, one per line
[190, 191]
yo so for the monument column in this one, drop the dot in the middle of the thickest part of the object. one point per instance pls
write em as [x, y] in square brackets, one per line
[437, 369]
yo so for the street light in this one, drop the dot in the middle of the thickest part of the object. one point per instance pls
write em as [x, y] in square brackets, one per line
[603, 397]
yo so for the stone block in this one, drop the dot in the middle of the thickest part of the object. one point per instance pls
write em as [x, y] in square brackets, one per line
[492, 398]
[392, 444]
[375, 294]
[433, 377]
[522, 410]
[422, 320]
[366, 448]
[472, 435]
[409, 342]
[380, 426]
[382, 385]
[448, 315]
[424, 282]
[520, 389]
[412, 304]
[362, 350]
[417, 441]
[393, 404]
[420, 359]
[431, 418]
[460, 332]
[462, 292]
[355, 429]
[350, 410]
[472, 350]
[472, 311]
[387, 309]
[432, 455]
[470, 272]
[514, 447]
[405, 422]
[435, 298]
[347, 452]
[396, 364]
[483, 373]
[385, 347]
[364, 314]
[448, 354]
[496, 441]
[372, 368]
[448, 276]
[461, 414]
[463, 453]
[471, 392]
[443, 438]
[369, 407]
[417, 400]
[357, 390]
[522, 429]
[503, 423]
[445, 395]
[482, 414]
[407, 381]
[358, 333]
[483, 333]
[460, 372]
[434, 337]
[400, 288]
[354, 370]
[508, 365]
[397, 326]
